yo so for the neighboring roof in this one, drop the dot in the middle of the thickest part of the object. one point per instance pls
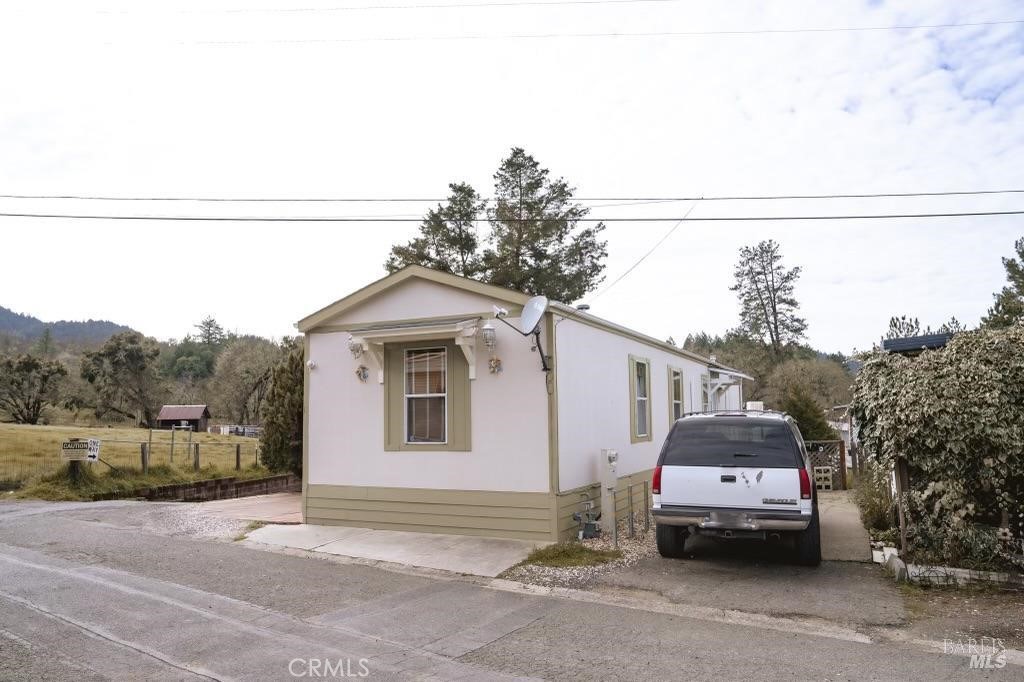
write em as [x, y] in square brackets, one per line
[178, 412]
[912, 345]
[499, 294]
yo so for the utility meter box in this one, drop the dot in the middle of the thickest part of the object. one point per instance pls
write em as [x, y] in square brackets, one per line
[608, 466]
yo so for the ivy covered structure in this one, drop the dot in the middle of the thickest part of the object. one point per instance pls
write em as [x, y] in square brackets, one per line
[947, 425]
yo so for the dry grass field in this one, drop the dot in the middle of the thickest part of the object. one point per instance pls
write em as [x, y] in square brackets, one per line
[29, 451]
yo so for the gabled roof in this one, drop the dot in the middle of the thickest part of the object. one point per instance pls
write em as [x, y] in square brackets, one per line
[500, 295]
[186, 412]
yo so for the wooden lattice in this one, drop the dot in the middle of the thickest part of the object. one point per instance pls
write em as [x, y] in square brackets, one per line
[828, 453]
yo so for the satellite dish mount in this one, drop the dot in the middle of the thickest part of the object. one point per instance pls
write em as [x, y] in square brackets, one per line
[529, 323]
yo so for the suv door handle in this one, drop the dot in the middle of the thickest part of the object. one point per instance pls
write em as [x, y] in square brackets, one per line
[728, 478]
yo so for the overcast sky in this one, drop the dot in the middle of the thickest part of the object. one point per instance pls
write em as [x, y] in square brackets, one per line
[238, 98]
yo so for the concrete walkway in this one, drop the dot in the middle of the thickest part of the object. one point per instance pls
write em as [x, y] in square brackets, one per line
[843, 537]
[276, 508]
[457, 553]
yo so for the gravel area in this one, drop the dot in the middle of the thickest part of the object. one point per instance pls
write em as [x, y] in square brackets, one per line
[641, 546]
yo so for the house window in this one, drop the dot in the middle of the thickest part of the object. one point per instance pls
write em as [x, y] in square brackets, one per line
[640, 399]
[426, 395]
[675, 393]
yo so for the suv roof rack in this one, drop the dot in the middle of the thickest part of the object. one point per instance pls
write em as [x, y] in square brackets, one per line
[737, 413]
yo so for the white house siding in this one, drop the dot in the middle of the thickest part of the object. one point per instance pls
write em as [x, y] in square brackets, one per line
[509, 410]
[594, 405]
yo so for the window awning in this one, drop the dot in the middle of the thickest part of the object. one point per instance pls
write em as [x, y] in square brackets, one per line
[371, 340]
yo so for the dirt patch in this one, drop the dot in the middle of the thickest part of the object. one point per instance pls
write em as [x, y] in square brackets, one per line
[967, 612]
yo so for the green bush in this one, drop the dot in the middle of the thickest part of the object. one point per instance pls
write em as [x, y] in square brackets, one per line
[956, 416]
[874, 498]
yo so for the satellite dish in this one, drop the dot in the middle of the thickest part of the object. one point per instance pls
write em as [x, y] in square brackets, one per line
[532, 312]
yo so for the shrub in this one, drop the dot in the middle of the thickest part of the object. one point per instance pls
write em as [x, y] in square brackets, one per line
[874, 498]
[957, 417]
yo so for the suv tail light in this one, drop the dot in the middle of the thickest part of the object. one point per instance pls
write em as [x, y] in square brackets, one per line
[805, 485]
[656, 481]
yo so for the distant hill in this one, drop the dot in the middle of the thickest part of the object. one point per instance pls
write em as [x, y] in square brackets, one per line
[63, 331]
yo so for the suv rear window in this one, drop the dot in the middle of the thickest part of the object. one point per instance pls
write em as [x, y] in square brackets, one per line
[731, 441]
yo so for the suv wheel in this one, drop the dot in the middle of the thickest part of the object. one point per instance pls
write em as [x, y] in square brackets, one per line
[808, 542]
[671, 541]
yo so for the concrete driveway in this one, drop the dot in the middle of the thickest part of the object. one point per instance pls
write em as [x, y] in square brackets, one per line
[763, 578]
[276, 508]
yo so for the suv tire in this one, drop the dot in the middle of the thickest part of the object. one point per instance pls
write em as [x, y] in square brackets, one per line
[808, 542]
[671, 541]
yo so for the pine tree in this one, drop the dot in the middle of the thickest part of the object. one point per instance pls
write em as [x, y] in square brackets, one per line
[768, 307]
[1008, 308]
[536, 243]
[448, 239]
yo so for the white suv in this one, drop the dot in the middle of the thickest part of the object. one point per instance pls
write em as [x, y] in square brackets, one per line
[735, 475]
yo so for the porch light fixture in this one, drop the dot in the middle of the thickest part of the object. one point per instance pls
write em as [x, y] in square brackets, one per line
[355, 347]
[490, 336]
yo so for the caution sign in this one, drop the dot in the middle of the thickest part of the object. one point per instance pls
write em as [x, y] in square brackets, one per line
[79, 450]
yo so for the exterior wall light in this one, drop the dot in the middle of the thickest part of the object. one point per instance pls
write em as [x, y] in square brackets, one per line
[355, 347]
[490, 335]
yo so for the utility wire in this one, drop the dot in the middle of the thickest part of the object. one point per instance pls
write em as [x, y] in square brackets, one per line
[379, 219]
[616, 34]
[384, 200]
[426, 6]
[644, 257]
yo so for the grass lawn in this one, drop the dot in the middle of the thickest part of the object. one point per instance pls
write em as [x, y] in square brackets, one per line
[564, 554]
[27, 452]
[59, 486]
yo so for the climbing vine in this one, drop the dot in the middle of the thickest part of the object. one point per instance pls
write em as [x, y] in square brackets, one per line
[957, 416]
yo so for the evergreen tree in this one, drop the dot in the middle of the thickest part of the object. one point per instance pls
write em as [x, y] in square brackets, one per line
[536, 244]
[281, 440]
[799, 405]
[768, 307]
[448, 237]
[1008, 309]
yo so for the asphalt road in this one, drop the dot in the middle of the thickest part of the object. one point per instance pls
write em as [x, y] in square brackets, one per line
[145, 591]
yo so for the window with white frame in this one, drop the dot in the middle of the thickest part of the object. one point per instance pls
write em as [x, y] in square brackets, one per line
[426, 395]
[642, 398]
[676, 393]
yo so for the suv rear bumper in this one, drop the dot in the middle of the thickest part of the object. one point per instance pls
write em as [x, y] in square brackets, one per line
[732, 519]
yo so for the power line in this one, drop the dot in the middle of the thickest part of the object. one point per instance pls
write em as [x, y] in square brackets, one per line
[425, 6]
[379, 219]
[644, 257]
[616, 34]
[738, 197]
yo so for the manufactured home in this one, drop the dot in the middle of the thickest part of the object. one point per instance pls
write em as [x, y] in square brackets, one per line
[441, 404]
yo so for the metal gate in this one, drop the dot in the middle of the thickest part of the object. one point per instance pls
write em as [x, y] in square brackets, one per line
[830, 454]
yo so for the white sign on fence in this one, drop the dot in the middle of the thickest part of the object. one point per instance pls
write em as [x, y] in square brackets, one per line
[80, 450]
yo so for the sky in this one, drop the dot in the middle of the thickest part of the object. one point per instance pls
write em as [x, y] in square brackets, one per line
[355, 99]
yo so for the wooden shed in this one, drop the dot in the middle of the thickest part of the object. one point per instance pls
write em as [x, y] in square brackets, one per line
[196, 416]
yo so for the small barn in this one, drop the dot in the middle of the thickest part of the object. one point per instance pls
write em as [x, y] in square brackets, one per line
[196, 416]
